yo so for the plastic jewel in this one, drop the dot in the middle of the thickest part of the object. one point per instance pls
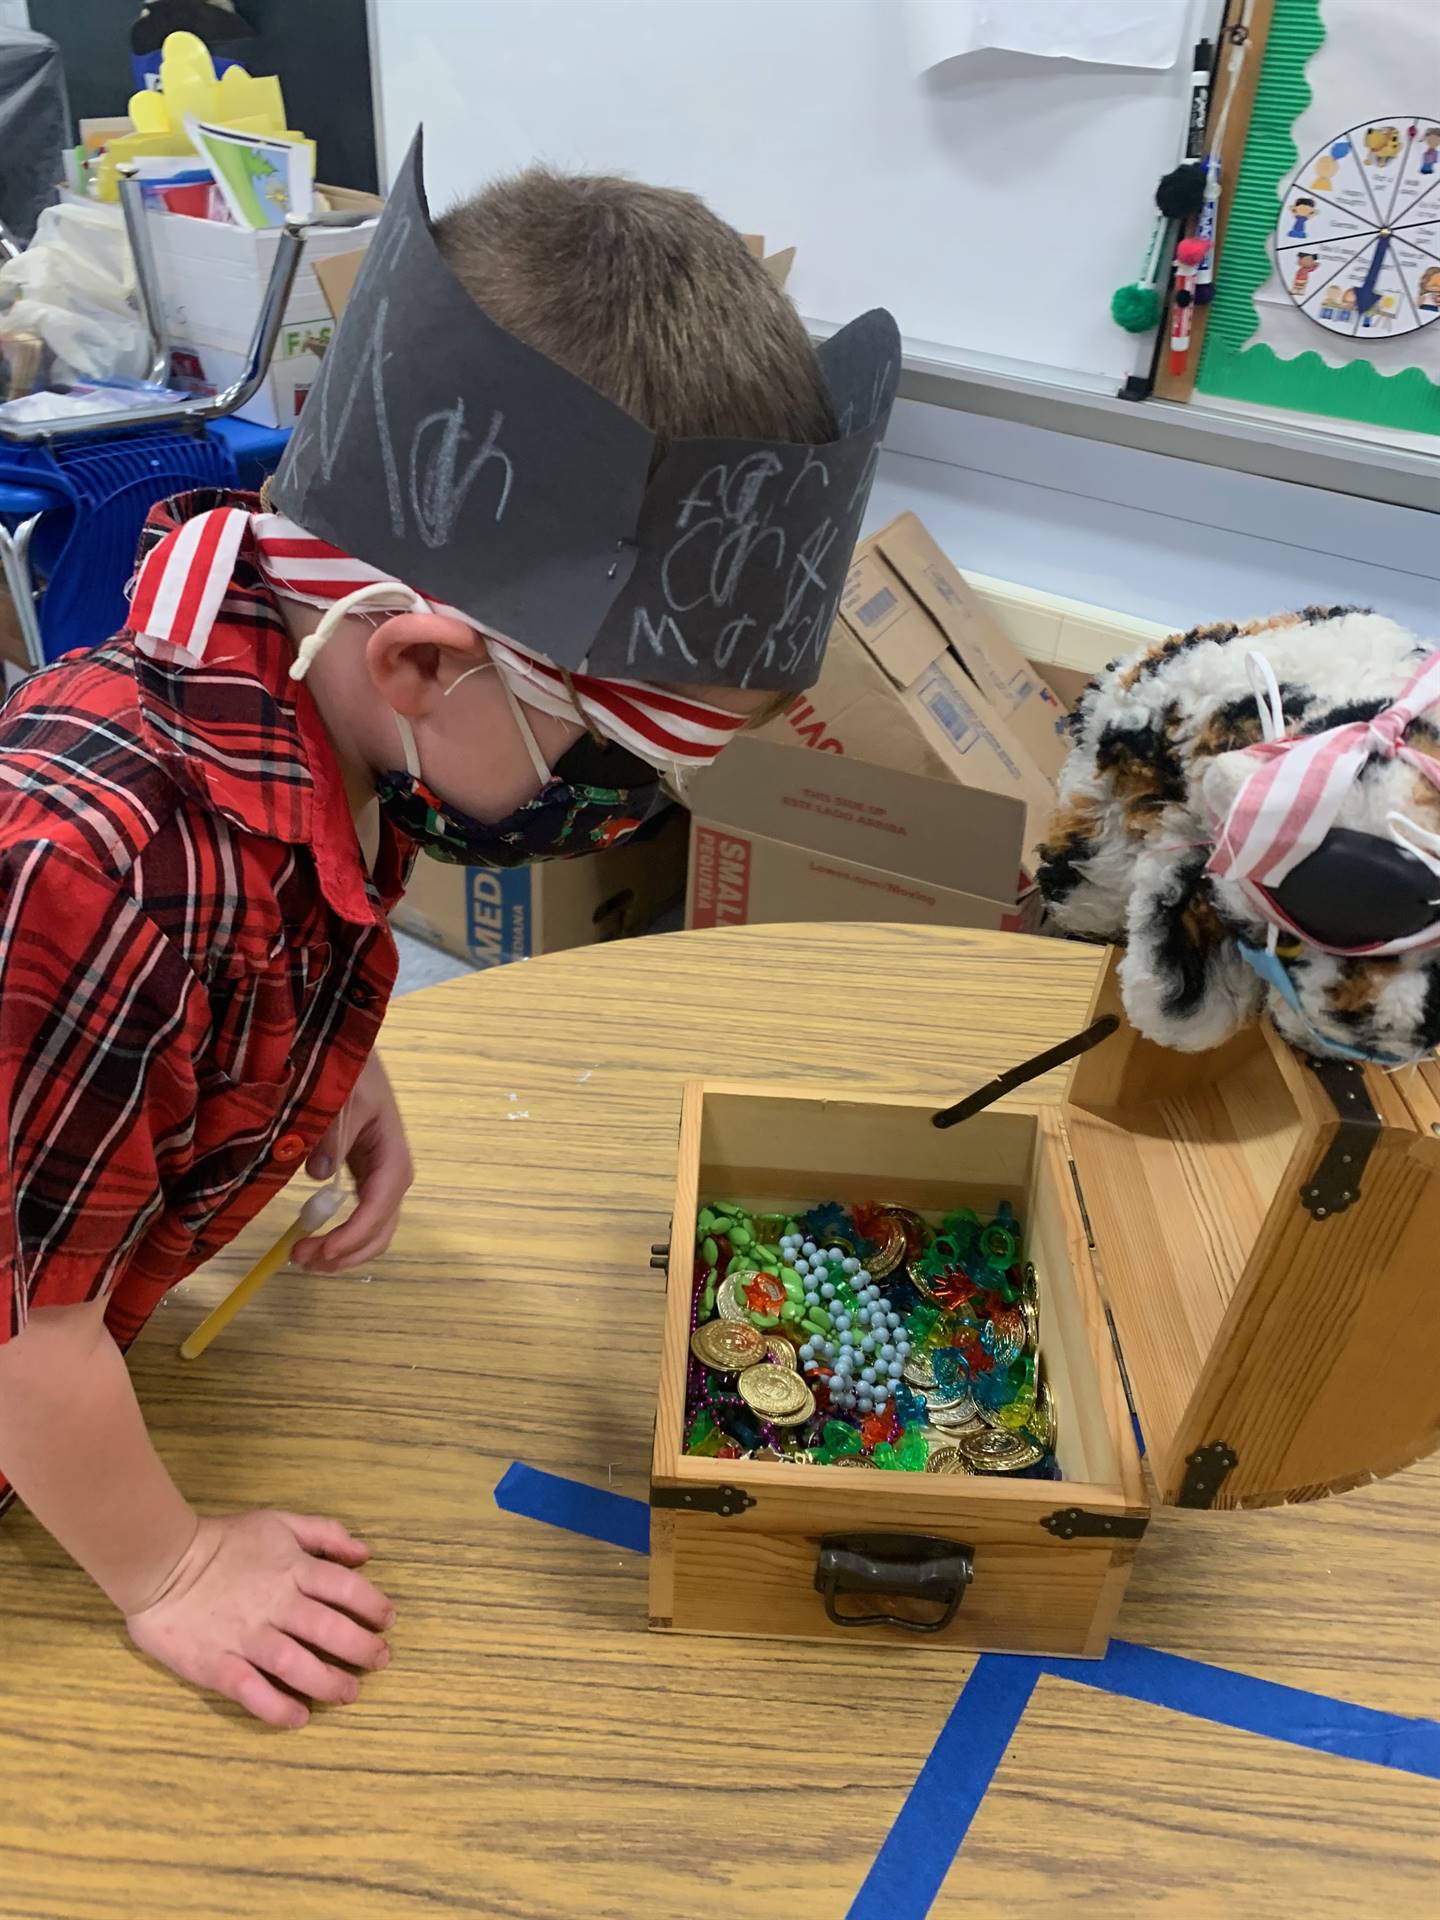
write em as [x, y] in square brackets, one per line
[857, 1344]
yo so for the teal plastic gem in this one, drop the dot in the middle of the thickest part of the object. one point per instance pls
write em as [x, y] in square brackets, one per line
[952, 1370]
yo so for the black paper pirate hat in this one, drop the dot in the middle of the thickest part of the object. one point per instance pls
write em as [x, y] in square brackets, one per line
[441, 449]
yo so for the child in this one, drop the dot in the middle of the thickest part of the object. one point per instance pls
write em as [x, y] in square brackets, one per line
[205, 822]
[1303, 210]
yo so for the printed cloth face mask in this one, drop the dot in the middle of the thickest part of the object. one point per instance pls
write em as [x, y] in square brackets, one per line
[598, 794]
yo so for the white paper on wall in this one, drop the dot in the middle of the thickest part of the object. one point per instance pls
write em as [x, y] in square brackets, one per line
[1356, 256]
[1112, 33]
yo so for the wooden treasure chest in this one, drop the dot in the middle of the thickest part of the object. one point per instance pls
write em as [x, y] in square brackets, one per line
[1240, 1248]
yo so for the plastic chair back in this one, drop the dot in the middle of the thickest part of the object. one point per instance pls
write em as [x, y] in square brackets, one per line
[84, 548]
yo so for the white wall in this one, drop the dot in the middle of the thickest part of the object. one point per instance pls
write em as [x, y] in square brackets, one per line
[1166, 540]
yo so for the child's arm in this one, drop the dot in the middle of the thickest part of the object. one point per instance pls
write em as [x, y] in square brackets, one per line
[223, 1603]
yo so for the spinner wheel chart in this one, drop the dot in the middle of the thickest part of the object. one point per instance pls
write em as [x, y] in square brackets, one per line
[1358, 239]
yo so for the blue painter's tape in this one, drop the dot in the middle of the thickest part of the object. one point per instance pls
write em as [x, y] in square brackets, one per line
[570, 1503]
[911, 1865]
[1241, 1701]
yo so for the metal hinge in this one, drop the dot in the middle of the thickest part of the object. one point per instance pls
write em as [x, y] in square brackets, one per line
[1335, 1183]
[726, 1501]
[1205, 1471]
[1073, 1523]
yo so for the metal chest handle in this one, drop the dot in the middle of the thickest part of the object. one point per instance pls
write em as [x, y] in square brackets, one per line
[893, 1566]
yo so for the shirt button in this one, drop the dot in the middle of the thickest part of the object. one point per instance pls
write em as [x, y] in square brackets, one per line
[288, 1149]
[361, 995]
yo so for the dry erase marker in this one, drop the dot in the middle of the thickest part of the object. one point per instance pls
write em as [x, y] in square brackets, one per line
[1189, 258]
[1199, 100]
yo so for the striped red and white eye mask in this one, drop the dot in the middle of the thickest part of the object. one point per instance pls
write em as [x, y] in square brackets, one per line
[182, 581]
[1281, 842]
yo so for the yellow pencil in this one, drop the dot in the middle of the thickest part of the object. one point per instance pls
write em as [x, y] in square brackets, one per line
[319, 1208]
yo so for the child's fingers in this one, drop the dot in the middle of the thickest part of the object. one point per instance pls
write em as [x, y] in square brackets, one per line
[287, 1660]
[249, 1688]
[341, 1587]
[364, 1236]
[335, 1634]
[316, 1534]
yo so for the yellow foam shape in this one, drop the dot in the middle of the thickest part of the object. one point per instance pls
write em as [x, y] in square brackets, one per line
[246, 102]
[147, 112]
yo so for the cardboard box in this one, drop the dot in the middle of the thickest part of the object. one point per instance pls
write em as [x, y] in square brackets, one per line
[205, 367]
[782, 836]
[902, 563]
[490, 917]
[212, 282]
[895, 693]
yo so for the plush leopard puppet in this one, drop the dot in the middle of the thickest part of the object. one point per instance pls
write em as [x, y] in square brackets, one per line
[1176, 833]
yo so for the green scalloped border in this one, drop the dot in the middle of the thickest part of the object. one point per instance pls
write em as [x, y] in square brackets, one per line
[1408, 399]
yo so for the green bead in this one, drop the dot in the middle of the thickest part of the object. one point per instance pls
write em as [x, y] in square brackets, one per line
[707, 1298]
[741, 1236]
[792, 1285]
[709, 1252]
[791, 1311]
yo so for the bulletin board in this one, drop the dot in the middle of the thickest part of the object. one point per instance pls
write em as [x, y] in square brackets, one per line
[1327, 297]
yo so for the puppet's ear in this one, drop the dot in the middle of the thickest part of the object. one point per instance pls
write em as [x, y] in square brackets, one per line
[1182, 977]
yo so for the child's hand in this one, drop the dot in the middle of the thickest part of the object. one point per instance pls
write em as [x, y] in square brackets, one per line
[379, 1158]
[251, 1598]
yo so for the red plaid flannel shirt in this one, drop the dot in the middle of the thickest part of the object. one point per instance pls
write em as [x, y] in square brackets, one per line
[193, 961]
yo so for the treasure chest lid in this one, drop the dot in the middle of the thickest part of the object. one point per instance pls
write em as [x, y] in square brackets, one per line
[1267, 1234]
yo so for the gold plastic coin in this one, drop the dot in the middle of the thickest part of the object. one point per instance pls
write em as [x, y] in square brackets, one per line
[892, 1251]
[729, 1302]
[782, 1352]
[1042, 1421]
[727, 1345]
[856, 1460]
[996, 1450]
[801, 1414]
[1031, 1310]
[919, 1371]
[946, 1460]
[772, 1391]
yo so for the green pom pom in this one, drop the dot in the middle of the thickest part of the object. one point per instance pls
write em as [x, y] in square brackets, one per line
[1135, 308]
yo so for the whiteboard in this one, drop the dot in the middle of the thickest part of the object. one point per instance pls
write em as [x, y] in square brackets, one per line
[993, 205]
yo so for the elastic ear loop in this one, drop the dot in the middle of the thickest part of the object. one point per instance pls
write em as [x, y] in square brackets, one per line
[522, 719]
[310, 647]
[1414, 838]
[1266, 689]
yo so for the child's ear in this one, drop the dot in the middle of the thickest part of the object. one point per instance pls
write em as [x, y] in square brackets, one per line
[413, 657]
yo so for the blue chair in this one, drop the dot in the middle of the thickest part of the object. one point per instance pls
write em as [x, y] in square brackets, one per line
[74, 493]
[77, 509]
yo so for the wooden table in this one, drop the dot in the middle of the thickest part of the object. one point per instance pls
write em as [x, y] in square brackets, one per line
[533, 1751]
